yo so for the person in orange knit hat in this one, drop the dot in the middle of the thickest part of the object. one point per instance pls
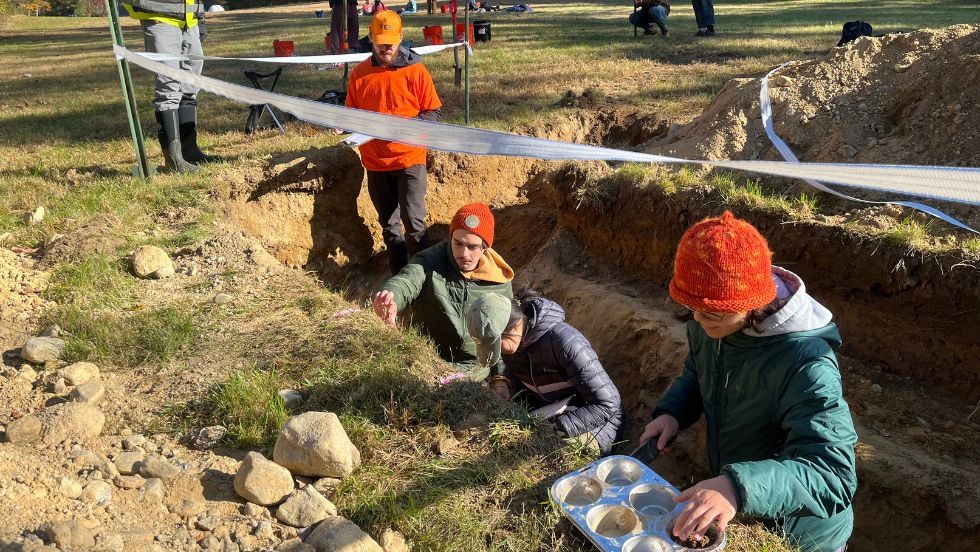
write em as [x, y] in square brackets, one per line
[441, 282]
[394, 81]
[762, 372]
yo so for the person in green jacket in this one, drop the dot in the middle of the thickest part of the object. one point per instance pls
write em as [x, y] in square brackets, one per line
[762, 371]
[441, 282]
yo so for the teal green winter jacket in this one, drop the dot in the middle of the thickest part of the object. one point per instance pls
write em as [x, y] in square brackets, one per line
[438, 294]
[777, 422]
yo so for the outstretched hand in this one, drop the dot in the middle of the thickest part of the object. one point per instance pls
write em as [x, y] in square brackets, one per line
[710, 501]
[385, 307]
[664, 429]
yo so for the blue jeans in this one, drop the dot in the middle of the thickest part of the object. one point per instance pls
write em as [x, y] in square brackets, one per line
[704, 13]
[656, 14]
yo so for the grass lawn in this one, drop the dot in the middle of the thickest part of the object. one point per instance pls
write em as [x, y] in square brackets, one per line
[65, 145]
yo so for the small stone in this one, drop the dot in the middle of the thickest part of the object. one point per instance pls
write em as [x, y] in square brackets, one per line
[327, 486]
[849, 150]
[445, 445]
[902, 67]
[782, 81]
[70, 535]
[339, 533]
[33, 217]
[97, 493]
[291, 397]
[133, 441]
[188, 508]
[393, 541]
[222, 299]
[305, 507]
[876, 388]
[262, 481]
[26, 429]
[27, 374]
[69, 487]
[208, 437]
[128, 481]
[150, 261]
[128, 462]
[255, 511]
[59, 387]
[263, 530]
[206, 524]
[158, 467]
[112, 543]
[153, 491]
[71, 421]
[80, 372]
[38, 350]
[91, 392]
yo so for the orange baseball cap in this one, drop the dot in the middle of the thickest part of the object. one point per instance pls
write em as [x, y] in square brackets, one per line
[386, 28]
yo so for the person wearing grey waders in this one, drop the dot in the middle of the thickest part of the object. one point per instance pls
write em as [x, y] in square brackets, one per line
[174, 27]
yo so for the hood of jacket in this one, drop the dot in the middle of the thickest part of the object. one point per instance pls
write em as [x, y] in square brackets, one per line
[542, 315]
[404, 58]
[798, 312]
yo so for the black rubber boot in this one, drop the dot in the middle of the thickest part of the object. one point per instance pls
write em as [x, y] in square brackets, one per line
[187, 117]
[169, 136]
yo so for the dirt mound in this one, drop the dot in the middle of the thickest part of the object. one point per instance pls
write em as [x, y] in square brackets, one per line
[20, 298]
[901, 98]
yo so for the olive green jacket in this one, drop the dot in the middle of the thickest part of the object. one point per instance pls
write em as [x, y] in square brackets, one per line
[777, 424]
[438, 294]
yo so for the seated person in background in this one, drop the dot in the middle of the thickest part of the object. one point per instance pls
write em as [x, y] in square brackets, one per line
[410, 8]
[550, 360]
[651, 12]
[441, 282]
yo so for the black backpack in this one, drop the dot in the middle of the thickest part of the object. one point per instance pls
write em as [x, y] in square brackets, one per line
[853, 30]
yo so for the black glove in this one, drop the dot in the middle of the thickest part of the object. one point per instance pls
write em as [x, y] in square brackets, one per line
[202, 29]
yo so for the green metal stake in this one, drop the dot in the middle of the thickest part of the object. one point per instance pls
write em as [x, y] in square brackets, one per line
[142, 169]
[466, 63]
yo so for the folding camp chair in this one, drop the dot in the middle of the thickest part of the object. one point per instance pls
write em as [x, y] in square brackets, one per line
[255, 111]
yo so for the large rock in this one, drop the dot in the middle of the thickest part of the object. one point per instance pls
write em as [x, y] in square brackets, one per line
[91, 392]
[39, 350]
[79, 373]
[149, 261]
[157, 467]
[339, 534]
[97, 493]
[262, 481]
[24, 430]
[315, 444]
[71, 421]
[305, 507]
[70, 535]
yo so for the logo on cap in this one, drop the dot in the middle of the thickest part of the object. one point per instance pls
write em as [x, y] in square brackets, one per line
[471, 221]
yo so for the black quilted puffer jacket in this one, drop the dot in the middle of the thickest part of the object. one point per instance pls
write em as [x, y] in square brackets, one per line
[555, 361]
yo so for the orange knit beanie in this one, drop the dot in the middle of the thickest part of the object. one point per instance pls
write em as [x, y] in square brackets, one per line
[723, 264]
[476, 218]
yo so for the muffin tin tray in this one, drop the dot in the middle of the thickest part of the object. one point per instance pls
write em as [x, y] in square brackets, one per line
[621, 504]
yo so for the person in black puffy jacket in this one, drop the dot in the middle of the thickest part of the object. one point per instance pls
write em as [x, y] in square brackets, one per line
[549, 361]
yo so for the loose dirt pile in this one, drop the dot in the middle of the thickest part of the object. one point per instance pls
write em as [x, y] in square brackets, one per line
[20, 298]
[906, 98]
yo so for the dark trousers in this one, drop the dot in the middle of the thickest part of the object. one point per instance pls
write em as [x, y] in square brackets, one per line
[399, 198]
[336, 18]
[704, 13]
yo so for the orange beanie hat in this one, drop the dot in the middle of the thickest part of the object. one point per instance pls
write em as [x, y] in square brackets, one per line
[476, 218]
[723, 264]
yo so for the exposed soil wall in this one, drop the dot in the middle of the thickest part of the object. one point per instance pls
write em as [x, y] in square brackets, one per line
[913, 314]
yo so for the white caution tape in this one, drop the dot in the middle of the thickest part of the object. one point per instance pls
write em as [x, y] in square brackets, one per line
[765, 105]
[958, 184]
[326, 59]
